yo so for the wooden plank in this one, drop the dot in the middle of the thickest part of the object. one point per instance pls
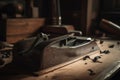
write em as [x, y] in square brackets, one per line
[18, 29]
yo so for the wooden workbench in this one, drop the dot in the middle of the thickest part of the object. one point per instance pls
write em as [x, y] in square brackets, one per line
[78, 69]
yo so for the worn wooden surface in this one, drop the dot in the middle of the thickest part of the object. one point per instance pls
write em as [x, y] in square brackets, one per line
[18, 29]
[57, 30]
[77, 69]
